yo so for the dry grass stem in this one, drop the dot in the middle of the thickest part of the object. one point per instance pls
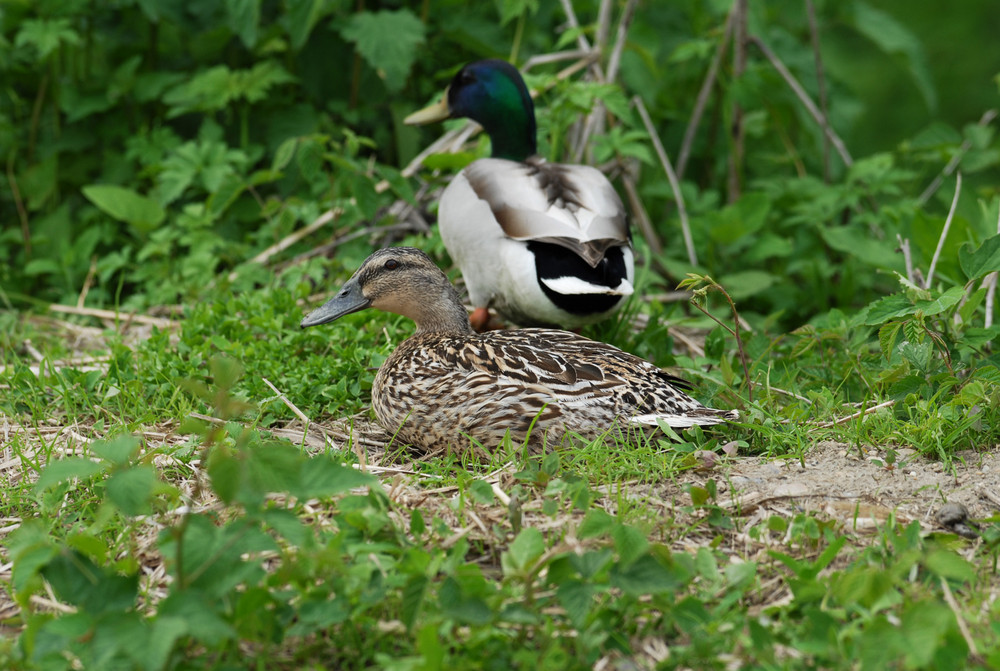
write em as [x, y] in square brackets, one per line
[904, 247]
[820, 83]
[291, 239]
[125, 317]
[866, 411]
[985, 120]
[944, 231]
[702, 100]
[671, 177]
[640, 214]
[959, 619]
[806, 101]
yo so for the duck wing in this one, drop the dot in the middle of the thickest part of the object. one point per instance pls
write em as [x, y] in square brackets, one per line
[573, 206]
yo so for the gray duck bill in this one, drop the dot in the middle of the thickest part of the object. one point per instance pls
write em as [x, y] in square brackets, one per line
[349, 299]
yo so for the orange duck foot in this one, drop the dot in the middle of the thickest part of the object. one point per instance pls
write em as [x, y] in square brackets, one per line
[482, 321]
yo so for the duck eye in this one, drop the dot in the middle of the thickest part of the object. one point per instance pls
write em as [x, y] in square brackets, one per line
[391, 264]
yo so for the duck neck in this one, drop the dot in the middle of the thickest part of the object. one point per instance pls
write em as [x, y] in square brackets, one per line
[444, 314]
[508, 117]
[512, 134]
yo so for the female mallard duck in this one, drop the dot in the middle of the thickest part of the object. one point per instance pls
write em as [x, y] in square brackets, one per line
[448, 384]
[541, 243]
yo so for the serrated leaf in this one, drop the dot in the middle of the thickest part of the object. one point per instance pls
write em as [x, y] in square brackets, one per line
[887, 337]
[322, 476]
[984, 259]
[629, 542]
[67, 469]
[244, 17]
[131, 489]
[143, 213]
[525, 549]
[644, 576]
[577, 598]
[388, 42]
[46, 35]
[897, 40]
[595, 523]
[116, 450]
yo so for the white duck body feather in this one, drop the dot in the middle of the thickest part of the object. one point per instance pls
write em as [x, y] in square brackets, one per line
[495, 207]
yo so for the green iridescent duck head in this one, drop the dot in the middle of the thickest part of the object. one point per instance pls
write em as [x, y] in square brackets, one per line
[492, 93]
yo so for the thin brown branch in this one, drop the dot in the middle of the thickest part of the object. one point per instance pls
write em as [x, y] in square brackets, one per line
[820, 82]
[675, 185]
[904, 247]
[806, 101]
[957, 611]
[737, 130]
[87, 282]
[944, 231]
[113, 315]
[702, 100]
[866, 411]
[985, 120]
[22, 213]
[291, 239]
[641, 216]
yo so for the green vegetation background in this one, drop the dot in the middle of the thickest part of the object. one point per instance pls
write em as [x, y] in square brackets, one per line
[153, 148]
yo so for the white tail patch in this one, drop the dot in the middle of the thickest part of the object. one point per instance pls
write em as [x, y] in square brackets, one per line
[568, 285]
[685, 421]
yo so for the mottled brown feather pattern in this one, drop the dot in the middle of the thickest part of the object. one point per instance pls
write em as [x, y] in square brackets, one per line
[447, 385]
[442, 389]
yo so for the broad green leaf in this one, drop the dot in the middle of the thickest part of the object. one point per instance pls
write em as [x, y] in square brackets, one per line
[985, 259]
[948, 564]
[890, 307]
[302, 17]
[143, 213]
[388, 42]
[322, 476]
[414, 593]
[577, 598]
[596, 523]
[525, 549]
[897, 40]
[860, 244]
[46, 35]
[116, 450]
[132, 488]
[629, 542]
[67, 469]
[77, 580]
[244, 18]
[746, 283]
[644, 576]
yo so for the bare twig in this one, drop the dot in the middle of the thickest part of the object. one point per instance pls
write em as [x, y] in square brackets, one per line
[671, 177]
[806, 101]
[820, 82]
[289, 240]
[111, 314]
[641, 216]
[736, 122]
[985, 120]
[904, 247]
[866, 411]
[22, 213]
[962, 626]
[87, 283]
[990, 282]
[944, 231]
[702, 100]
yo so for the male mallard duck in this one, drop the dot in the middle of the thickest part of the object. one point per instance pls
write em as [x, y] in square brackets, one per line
[541, 243]
[447, 384]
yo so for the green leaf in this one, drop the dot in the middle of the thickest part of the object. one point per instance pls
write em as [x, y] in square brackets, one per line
[525, 549]
[897, 40]
[948, 564]
[46, 35]
[577, 598]
[77, 580]
[595, 523]
[388, 42]
[244, 18]
[858, 243]
[629, 542]
[414, 593]
[746, 283]
[117, 450]
[132, 488]
[322, 476]
[985, 259]
[67, 469]
[644, 576]
[143, 213]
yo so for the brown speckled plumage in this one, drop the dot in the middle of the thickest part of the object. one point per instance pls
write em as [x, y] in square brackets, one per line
[447, 385]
